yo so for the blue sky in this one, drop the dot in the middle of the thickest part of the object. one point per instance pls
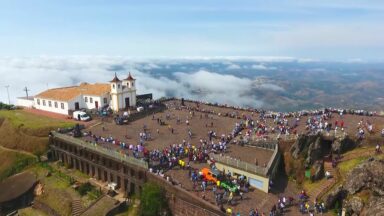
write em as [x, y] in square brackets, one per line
[337, 29]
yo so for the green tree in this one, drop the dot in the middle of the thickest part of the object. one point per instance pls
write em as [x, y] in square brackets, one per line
[153, 200]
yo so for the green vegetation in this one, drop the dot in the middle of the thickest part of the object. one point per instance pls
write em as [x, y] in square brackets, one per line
[13, 162]
[336, 209]
[309, 185]
[57, 199]
[68, 180]
[84, 188]
[31, 212]
[4, 106]
[21, 130]
[94, 193]
[347, 166]
[20, 118]
[58, 193]
[153, 200]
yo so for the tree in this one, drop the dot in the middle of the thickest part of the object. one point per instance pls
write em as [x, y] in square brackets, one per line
[153, 200]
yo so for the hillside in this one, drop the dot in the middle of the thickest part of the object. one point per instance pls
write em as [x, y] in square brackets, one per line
[12, 162]
[25, 131]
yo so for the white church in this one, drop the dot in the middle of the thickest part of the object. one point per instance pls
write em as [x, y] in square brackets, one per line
[117, 95]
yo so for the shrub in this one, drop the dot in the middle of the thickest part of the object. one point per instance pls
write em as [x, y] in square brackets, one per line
[94, 193]
[153, 200]
[84, 188]
[6, 106]
[21, 163]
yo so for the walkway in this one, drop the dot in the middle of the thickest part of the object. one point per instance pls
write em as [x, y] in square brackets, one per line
[317, 192]
[329, 183]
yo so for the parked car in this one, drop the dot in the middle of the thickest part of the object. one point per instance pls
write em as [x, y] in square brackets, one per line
[120, 120]
[81, 116]
[139, 109]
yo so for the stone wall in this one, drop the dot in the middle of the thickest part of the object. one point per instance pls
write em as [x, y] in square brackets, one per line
[180, 207]
[182, 202]
[108, 169]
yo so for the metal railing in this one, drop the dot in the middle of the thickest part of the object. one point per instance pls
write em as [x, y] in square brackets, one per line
[272, 160]
[264, 144]
[99, 149]
[248, 167]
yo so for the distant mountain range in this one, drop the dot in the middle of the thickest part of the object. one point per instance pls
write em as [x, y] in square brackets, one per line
[287, 86]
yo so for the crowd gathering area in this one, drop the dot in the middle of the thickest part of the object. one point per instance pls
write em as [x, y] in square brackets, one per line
[177, 142]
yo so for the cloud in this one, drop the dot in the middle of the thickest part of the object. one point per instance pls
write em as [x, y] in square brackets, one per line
[262, 67]
[234, 67]
[149, 66]
[40, 73]
[269, 86]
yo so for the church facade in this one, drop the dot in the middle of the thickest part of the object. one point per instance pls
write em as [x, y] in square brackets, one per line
[117, 95]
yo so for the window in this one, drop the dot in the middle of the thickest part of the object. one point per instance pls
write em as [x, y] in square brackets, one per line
[38, 101]
[118, 86]
[105, 100]
[50, 103]
[133, 84]
[62, 105]
[113, 86]
[43, 102]
[86, 99]
[55, 104]
[90, 100]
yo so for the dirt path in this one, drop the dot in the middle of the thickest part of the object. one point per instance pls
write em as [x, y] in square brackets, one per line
[351, 156]
[335, 180]
[17, 151]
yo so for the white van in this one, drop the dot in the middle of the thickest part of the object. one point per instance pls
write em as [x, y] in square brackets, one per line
[81, 116]
[139, 109]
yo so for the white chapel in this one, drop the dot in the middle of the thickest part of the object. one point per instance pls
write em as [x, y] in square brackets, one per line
[117, 95]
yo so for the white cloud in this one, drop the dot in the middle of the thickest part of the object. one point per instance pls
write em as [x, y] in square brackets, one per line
[262, 67]
[39, 72]
[269, 86]
[259, 67]
[233, 67]
[149, 66]
[218, 87]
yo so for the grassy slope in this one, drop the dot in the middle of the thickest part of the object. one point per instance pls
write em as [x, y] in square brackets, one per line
[29, 211]
[57, 191]
[13, 162]
[26, 131]
[29, 121]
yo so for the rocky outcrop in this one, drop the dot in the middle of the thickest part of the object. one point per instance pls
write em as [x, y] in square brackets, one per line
[375, 206]
[302, 144]
[343, 144]
[337, 194]
[315, 152]
[318, 171]
[354, 206]
[369, 175]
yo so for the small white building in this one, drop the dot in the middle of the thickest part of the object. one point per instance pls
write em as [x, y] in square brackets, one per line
[117, 94]
[25, 102]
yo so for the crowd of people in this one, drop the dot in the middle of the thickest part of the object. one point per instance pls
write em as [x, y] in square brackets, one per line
[184, 153]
